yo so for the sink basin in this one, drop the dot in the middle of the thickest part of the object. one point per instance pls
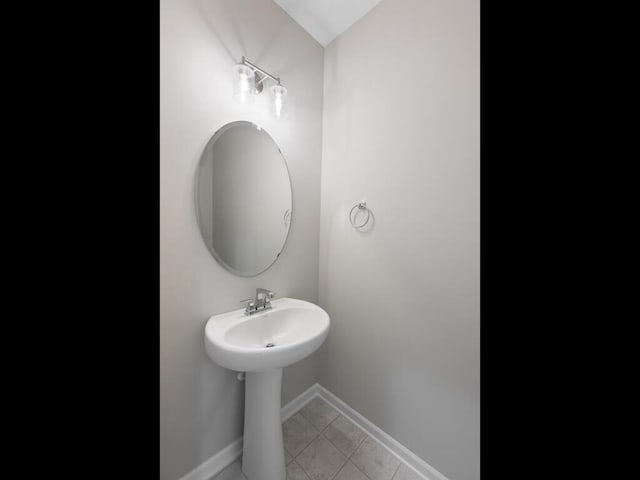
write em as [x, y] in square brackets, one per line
[261, 344]
[288, 332]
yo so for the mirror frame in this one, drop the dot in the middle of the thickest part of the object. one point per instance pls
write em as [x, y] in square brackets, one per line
[196, 178]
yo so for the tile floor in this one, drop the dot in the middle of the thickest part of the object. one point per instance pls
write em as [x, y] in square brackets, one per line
[321, 444]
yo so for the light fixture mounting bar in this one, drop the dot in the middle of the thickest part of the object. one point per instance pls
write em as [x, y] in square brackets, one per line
[255, 67]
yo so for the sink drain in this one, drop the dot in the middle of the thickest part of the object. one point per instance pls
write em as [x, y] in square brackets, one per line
[269, 345]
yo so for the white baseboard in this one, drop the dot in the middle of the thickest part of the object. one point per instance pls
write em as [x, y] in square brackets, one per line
[217, 462]
[402, 453]
[231, 452]
[297, 403]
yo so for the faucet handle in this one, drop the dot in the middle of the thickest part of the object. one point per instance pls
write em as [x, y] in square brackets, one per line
[251, 305]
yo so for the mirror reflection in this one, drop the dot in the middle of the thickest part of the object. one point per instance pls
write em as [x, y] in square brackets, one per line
[243, 198]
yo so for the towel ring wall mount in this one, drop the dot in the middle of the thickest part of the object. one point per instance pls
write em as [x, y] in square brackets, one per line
[359, 206]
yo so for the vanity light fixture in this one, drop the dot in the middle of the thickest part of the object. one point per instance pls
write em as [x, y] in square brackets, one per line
[249, 81]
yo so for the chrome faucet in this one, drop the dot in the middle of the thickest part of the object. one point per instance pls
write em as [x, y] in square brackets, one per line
[261, 302]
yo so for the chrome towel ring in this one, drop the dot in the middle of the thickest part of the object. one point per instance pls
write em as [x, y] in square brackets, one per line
[359, 206]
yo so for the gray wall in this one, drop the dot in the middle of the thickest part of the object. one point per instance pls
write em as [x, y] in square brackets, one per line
[401, 130]
[201, 404]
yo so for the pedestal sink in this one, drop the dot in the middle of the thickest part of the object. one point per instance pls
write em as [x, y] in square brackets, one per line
[261, 345]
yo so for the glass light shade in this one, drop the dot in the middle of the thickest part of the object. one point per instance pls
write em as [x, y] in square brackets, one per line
[277, 104]
[244, 83]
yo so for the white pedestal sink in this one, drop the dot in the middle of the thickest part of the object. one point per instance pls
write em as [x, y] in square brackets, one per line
[293, 329]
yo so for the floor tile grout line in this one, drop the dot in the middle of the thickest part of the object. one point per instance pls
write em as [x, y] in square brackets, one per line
[323, 436]
[336, 446]
[318, 430]
[321, 432]
[352, 454]
[337, 449]
[394, 454]
[364, 473]
[311, 422]
[396, 472]
[341, 466]
[305, 447]
[365, 435]
[300, 467]
[360, 470]
[347, 458]
[358, 447]
[304, 416]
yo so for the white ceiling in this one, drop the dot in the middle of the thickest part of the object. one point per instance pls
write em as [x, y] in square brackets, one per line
[326, 19]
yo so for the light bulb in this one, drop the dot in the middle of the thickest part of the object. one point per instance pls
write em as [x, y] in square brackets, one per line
[279, 92]
[278, 105]
[243, 83]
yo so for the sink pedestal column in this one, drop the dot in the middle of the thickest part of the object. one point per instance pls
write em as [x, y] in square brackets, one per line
[263, 450]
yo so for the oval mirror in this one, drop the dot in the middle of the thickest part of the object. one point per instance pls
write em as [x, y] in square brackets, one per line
[243, 198]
